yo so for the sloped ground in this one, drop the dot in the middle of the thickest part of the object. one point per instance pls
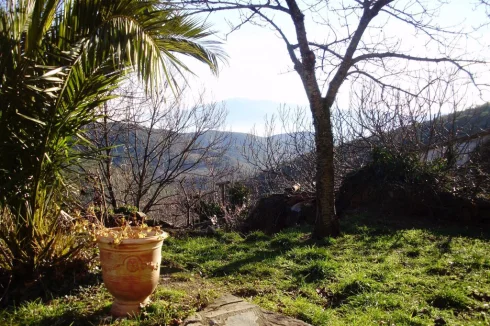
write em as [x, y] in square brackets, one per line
[379, 272]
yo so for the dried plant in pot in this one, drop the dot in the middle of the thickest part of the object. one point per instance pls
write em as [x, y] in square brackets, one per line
[130, 257]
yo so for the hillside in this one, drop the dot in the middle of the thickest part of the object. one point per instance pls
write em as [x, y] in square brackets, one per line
[233, 141]
[467, 122]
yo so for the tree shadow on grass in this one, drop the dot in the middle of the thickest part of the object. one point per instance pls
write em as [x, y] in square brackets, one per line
[382, 224]
[248, 256]
[45, 288]
[236, 265]
[78, 318]
[386, 234]
[277, 246]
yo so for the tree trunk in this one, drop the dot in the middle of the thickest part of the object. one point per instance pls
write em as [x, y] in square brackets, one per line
[326, 223]
[108, 160]
[110, 188]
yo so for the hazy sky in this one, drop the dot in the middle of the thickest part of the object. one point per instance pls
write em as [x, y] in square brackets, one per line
[259, 68]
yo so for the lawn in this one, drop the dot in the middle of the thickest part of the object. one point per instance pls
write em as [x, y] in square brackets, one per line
[377, 273]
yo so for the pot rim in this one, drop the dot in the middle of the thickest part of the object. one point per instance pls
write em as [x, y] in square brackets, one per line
[158, 235]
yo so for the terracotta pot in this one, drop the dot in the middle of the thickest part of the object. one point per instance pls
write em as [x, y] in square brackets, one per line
[131, 270]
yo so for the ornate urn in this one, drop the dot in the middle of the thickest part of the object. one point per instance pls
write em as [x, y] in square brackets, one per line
[131, 268]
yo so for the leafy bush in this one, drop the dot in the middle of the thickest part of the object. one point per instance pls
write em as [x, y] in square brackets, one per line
[404, 167]
[401, 184]
[33, 241]
[238, 195]
[207, 210]
[127, 210]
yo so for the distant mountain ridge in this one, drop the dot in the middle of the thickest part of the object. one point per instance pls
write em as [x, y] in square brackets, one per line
[467, 122]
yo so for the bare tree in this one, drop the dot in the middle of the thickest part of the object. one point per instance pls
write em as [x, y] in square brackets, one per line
[196, 187]
[358, 42]
[285, 154]
[151, 142]
[105, 137]
[384, 118]
[432, 125]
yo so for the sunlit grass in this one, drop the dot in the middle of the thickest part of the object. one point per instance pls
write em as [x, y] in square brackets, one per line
[376, 273]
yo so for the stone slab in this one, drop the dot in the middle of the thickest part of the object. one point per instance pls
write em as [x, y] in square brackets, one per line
[230, 310]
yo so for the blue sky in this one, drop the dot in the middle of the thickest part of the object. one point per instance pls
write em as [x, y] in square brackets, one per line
[260, 70]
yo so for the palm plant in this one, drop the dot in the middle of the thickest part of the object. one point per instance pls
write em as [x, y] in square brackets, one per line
[59, 60]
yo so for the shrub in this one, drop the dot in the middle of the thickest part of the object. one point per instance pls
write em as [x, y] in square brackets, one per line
[404, 167]
[399, 183]
[35, 241]
[207, 210]
[127, 210]
[238, 195]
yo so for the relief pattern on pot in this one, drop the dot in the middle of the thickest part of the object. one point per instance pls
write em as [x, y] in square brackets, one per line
[133, 264]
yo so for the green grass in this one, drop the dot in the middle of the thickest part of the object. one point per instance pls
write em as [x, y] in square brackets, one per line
[376, 273]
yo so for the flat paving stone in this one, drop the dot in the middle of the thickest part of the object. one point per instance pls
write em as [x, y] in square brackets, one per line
[229, 310]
